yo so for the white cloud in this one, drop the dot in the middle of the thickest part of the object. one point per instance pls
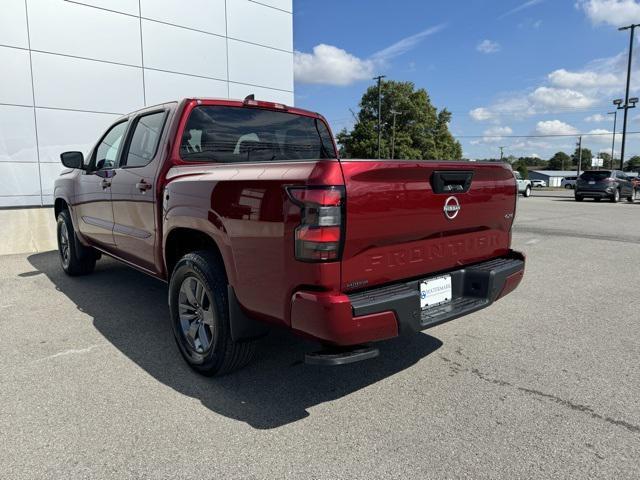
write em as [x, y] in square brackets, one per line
[560, 98]
[612, 12]
[481, 114]
[555, 127]
[331, 66]
[522, 6]
[597, 118]
[493, 131]
[587, 79]
[600, 135]
[488, 46]
[406, 44]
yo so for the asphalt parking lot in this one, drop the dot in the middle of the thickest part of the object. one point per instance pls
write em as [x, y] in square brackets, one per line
[544, 384]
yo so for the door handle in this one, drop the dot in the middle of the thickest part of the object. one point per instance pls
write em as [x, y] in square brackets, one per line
[143, 186]
[105, 183]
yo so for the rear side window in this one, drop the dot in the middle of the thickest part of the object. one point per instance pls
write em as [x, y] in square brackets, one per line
[144, 141]
[236, 134]
[595, 176]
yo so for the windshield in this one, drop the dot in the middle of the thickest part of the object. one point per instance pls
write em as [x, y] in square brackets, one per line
[237, 134]
[596, 176]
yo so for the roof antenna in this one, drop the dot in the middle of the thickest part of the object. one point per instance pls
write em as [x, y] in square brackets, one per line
[250, 97]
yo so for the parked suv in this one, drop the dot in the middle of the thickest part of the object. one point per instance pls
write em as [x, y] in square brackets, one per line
[599, 184]
[568, 182]
[248, 214]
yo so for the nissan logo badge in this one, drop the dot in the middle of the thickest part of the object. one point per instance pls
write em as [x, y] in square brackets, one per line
[451, 208]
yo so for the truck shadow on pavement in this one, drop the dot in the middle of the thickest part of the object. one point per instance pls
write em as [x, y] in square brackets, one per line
[130, 310]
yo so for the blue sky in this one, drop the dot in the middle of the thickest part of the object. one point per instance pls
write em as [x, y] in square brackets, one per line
[503, 67]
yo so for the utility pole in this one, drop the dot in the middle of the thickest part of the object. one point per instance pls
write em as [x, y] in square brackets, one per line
[379, 79]
[393, 135]
[626, 97]
[579, 154]
[501, 152]
[613, 143]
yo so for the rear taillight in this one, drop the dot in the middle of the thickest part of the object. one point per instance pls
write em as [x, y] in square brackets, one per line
[319, 236]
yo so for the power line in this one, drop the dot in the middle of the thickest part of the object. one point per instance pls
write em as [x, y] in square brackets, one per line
[554, 135]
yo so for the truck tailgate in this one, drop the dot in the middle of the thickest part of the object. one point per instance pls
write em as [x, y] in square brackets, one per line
[402, 223]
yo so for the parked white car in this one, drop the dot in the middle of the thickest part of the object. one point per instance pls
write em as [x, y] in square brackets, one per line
[538, 183]
[569, 182]
[524, 186]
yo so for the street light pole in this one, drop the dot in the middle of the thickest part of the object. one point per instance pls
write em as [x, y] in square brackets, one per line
[626, 98]
[393, 135]
[613, 143]
[501, 152]
[579, 154]
[379, 79]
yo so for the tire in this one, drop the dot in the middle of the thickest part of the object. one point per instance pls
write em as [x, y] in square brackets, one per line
[75, 258]
[567, 186]
[616, 197]
[527, 192]
[597, 199]
[199, 314]
[579, 198]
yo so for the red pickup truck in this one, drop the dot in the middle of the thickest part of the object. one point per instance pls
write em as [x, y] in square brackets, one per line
[246, 211]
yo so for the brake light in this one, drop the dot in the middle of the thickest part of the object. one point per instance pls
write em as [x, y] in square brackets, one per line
[319, 237]
[262, 104]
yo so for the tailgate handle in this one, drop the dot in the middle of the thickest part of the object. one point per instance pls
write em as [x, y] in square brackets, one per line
[451, 182]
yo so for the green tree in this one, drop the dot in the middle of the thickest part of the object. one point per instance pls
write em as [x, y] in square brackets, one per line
[524, 171]
[422, 132]
[586, 158]
[560, 161]
[633, 163]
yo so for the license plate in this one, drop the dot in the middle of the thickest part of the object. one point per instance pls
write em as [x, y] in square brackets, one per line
[592, 183]
[435, 291]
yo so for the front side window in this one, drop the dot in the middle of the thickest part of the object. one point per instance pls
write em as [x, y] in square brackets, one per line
[144, 141]
[107, 151]
[236, 134]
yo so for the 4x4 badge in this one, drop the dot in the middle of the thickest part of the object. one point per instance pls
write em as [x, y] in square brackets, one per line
[451, 208]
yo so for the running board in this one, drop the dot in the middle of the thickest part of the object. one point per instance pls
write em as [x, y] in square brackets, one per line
[333, 356]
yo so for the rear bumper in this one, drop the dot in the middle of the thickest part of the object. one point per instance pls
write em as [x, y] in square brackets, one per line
[385, 312]
[594, 193]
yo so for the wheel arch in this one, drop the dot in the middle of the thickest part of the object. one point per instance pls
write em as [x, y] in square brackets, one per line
[182, 240]
[59, 205]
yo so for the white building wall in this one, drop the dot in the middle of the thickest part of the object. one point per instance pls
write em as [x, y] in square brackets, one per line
[71, 67]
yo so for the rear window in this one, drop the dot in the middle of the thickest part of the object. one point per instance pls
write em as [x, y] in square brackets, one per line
[236, 134]
[596, 176]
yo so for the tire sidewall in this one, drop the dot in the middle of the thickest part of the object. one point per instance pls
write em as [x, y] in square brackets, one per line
[64, 219]
[193, 265]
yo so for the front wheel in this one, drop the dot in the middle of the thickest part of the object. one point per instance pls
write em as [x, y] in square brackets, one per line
[527, 192]
[199, 313]
[75, 258]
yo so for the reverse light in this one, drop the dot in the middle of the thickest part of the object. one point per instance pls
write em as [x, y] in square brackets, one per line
[319, 236]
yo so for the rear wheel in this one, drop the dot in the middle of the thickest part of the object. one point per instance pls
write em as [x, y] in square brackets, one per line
[75, 258]
[579, 198]
[199, 309]
[527, 192]
[616, 196]
[597, 199]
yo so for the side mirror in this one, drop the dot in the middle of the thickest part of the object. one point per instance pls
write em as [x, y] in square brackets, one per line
[72, 159]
